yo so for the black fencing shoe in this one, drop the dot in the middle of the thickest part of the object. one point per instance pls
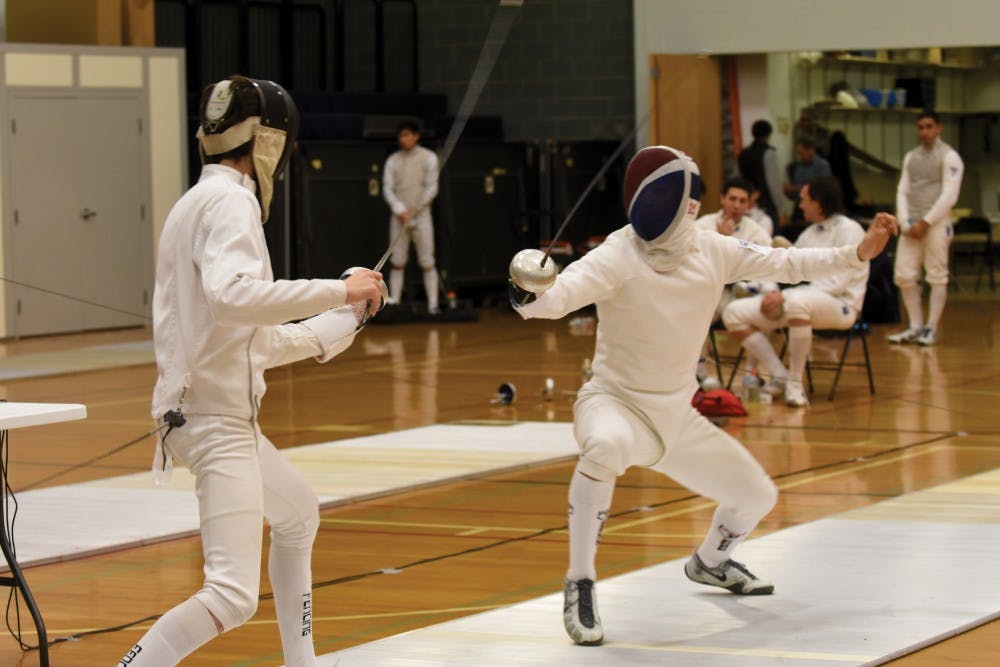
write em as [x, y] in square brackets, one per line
[732, 576]
[580, 612]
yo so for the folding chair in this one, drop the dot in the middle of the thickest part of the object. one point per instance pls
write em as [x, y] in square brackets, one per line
[972, 240]
[720, 360]
[859, 330]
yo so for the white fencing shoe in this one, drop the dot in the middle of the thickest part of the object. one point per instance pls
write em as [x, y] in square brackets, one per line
[905, 336]
[732, 576]
[583, 624]
[795, 394]
[927, 337]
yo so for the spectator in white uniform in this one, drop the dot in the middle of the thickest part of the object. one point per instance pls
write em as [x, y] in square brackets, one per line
[928, 188]
[830, 301]
[732, 220]
[219, 320]
[655, 283]
[409, 185]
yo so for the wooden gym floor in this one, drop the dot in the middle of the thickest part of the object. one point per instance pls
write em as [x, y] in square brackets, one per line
[494, 540]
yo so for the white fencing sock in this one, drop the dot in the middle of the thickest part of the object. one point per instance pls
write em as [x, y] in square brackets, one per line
[759, 346]
[172, 638]
[799, 342]
[431, 287]
[589, 502]
[911, 301]
[939, 296]
[727, 531]
[290, 572]
[395, 285]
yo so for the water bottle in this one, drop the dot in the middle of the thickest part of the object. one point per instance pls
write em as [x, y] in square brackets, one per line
[751, 388]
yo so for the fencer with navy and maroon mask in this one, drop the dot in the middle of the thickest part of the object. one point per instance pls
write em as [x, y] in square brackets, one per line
[273, 126]
[662, 196]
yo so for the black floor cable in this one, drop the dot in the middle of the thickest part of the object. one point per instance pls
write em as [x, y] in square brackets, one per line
[544, 531]
[83, 464]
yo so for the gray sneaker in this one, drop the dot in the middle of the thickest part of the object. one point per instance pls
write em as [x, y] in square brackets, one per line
[583, 624]
[927, 337]
[732, 576]
[905, 336]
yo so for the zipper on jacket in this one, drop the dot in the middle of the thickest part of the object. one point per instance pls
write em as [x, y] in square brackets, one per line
[254, 407]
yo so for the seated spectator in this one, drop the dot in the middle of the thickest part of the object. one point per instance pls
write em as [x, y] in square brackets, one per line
[808, 165]
[832, 302]
[732, 220]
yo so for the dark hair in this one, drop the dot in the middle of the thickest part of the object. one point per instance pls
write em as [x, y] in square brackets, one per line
[761, 129]
[806, 142]
[927, 113]
[246, 103]
[826, 191]
[408, 124]
[739, 183]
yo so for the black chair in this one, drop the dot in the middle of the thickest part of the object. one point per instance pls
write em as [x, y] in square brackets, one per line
[973, 241]
[860, 330]
[721, 360]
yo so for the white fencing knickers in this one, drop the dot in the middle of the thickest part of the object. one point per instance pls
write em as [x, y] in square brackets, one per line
[671, 437]
[240, 478]
[931, 252]
[422, 235]
[822, 310]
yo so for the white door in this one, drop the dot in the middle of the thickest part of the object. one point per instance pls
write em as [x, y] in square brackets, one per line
[114, 225]
[80, 240]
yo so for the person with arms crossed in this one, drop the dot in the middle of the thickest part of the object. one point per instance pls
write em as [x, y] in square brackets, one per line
[655, 282]
[928, 187]
[409, 185]
[219, 320]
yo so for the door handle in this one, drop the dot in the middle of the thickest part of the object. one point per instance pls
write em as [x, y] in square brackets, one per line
[87, 214]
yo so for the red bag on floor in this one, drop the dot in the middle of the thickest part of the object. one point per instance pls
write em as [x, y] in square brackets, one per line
[718, 403]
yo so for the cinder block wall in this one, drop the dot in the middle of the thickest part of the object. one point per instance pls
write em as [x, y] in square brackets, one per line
[565, 71]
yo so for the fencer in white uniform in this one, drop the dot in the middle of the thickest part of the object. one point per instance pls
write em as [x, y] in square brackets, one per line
[409, 185]
[655, 283]
[831, 301]
[219, 320]
[929, 185]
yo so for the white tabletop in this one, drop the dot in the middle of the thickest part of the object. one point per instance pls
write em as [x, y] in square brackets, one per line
[18, 415]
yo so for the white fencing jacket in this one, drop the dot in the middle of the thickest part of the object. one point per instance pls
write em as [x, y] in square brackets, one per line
[651, 325]
[218, 314]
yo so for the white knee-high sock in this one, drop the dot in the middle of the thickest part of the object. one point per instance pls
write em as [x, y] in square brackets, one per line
[172, 638]
[395, 284]
[757, 345]
[431, 287]
[799, 342]
[727, 531]
[290, 572]
[911, 301]
[939, 296]
[589, 502]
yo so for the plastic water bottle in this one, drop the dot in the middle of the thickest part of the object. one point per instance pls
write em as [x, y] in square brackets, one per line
[751, 388]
